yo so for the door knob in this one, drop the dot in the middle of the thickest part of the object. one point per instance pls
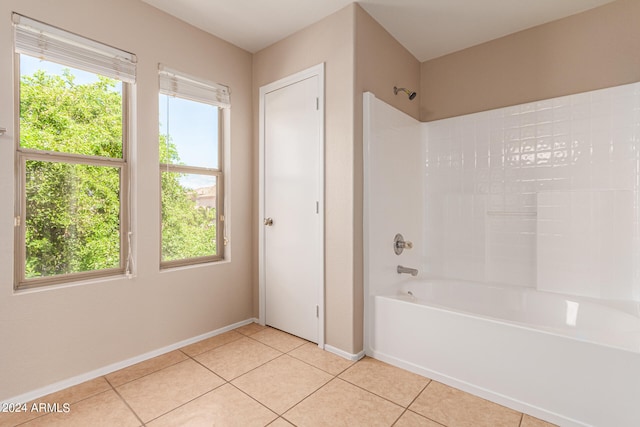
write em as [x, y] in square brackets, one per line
[268, 222]
[399, 244]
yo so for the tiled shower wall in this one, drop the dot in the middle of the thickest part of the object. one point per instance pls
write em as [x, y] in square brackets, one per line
[543, 195]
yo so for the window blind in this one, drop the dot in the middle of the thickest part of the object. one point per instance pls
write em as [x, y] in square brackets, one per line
[174, 83]
[53, 44]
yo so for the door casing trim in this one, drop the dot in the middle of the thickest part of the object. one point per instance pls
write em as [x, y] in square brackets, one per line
[317, 70]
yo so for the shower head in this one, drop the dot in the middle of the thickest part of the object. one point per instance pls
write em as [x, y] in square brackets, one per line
[411, 94]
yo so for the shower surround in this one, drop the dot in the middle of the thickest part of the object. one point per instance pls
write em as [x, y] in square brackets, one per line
[540, 195]
[538, 199]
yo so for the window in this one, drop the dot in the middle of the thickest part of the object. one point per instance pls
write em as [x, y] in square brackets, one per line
[191, 172]
[72, 219]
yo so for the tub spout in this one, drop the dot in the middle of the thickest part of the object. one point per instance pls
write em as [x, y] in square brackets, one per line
[407, 270]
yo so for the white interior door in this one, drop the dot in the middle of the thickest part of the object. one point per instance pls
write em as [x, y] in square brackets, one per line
[292, 229]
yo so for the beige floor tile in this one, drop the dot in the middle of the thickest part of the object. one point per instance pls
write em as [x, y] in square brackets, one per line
[165, 390]
[104, 409]
[146, 367]
[250, 329]
[281, 422]
[279, 340]
[529, 421]
[225, 406]
[11, 419]
[78, 392]
[411, 419]
[314, 355]
[342, 404]
[211, 343]
[453, 407]
[68, 395]
[237, 358]
[392, 383]
[282, 382]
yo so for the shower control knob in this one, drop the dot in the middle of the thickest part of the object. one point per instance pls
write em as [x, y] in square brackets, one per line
[268, 222]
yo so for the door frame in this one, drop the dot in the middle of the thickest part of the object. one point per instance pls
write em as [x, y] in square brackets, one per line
[317, 70]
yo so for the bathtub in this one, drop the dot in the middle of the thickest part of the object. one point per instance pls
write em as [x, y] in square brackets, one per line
[568, 360]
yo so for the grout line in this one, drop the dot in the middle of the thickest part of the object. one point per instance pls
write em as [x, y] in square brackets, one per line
[262, 328]
[270, 346]
[197, 397]
[244, 373]
[142, 423]
[145, 375]
[257, 401]
[333, 376]
[307, 397]
[31, 419]
[416, 398]
[253, 369]
[179, 406]
[292, 406]
[53, 414]
[42, 399]
[280, 417]
[185, 403]
[421, 391]
[208, 369]
[213, 348]
[317, 367]
[375, 394]
[420, 415]
[398, 419]
[347, 368]
[300, 360]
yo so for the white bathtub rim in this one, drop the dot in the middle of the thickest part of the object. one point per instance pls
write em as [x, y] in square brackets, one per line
[630, 307]
[512, 323]
[481, 392]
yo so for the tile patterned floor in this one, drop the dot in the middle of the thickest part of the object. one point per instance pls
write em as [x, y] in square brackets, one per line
[259, 376]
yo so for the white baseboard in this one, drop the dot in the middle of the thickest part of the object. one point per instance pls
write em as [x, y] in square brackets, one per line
[344, 354]
[69, 382]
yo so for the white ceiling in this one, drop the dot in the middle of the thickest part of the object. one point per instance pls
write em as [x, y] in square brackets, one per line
[427, 28]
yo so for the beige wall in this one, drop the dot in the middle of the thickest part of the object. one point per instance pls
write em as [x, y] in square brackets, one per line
[382, 63]
[591, 50]
[330, 41]
[54, 334]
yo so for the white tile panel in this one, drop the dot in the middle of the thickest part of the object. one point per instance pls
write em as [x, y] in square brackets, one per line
[583, 152]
